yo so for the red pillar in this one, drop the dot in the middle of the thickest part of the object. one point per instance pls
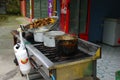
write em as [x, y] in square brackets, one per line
[23, 7]
[64, 15]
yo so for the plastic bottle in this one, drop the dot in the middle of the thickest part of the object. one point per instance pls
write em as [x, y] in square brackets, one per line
[22, 56]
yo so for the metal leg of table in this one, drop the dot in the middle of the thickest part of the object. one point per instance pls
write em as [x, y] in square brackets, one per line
[94, 70]
[15, 42]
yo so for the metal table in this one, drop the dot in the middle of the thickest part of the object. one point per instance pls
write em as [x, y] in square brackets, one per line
[65, 70]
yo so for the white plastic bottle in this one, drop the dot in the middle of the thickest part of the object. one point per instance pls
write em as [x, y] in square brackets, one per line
[22, 56]
[23, 61]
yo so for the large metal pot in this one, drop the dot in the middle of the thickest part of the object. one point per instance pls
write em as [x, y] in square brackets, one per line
[49, 37]
[67, 45]
[38, 34]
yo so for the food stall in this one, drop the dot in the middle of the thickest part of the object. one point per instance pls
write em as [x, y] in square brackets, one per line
[70, 58]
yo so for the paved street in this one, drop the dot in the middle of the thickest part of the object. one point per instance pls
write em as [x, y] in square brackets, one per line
[8, 70]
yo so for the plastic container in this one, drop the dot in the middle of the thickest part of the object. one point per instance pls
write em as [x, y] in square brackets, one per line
[23, 61]
[22, 56]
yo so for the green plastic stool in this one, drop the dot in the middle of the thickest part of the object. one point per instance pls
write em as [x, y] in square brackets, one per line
[117, 74]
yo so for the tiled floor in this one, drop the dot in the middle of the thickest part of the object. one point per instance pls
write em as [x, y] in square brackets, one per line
[109, 63]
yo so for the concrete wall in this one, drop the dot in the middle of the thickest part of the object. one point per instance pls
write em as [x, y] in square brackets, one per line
[101, 9]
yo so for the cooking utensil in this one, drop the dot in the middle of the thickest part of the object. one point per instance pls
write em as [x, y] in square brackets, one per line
[49, 38]
[66, 45]
[38, 34]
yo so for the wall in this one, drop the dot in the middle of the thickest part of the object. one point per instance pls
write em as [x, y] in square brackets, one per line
[40, 8]
[101, 9]
[28, 8]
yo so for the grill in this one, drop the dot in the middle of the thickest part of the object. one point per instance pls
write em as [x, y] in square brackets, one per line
[49, 64]
[51, 53]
